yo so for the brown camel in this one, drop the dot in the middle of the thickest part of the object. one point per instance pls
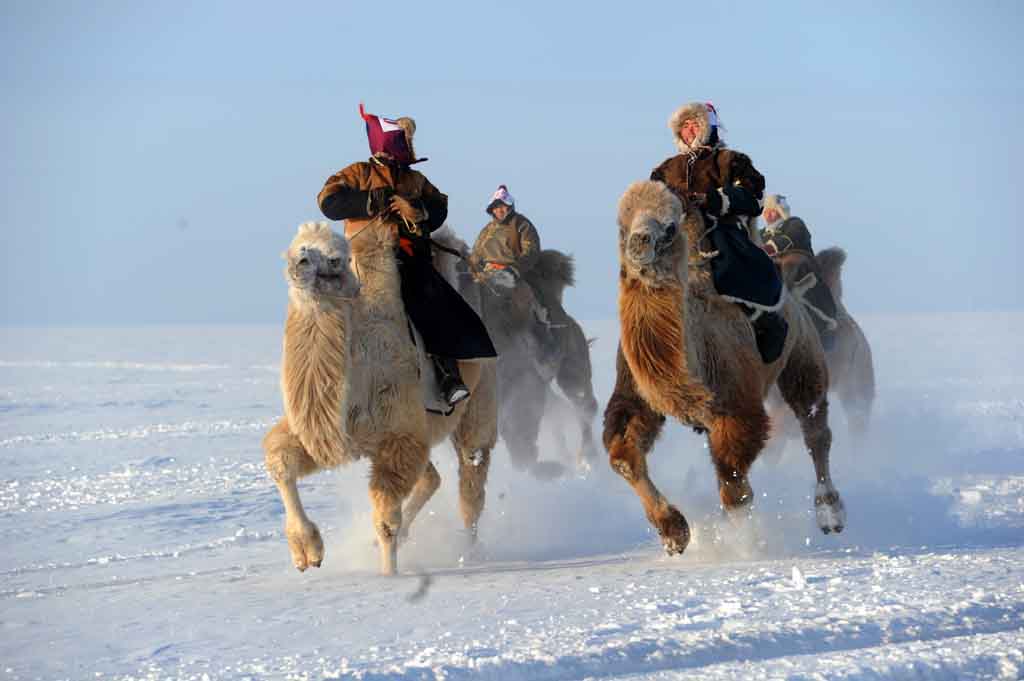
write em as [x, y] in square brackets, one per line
[686, 353]
[351, 388]
[524, 383]
[851, 372]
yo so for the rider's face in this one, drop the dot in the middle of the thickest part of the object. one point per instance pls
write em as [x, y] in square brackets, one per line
[500, 212]
[688, 130]
[770, 215]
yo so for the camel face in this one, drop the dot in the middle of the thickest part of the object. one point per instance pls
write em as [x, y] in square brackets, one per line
[648, 241]
[649, 233]
[318, 263]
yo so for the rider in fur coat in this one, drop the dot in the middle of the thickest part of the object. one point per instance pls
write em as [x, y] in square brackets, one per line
[386, 190]
[727, 188]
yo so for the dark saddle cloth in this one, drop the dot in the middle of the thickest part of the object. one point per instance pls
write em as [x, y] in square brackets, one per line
[448, 325]
[742, 271]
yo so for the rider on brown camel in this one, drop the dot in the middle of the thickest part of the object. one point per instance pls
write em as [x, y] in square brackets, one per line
[783, 234]
[506, 250]
[385, 190]
[728, 189]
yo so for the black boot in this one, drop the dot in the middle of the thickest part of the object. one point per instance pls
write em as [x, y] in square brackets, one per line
[770, 330]
[453, 390]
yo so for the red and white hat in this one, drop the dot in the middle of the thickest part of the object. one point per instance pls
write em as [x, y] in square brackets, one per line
[392, 137]
[501, 195]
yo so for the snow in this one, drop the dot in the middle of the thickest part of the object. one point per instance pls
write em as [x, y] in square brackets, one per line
[143, 540]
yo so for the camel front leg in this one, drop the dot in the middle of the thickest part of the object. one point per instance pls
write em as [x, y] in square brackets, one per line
[631, 463]
[735, 441]
[424, 488]
[287, 461]
[630, 428]
[397, 466]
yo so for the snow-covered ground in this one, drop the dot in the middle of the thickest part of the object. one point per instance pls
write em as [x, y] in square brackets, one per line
[141, 538]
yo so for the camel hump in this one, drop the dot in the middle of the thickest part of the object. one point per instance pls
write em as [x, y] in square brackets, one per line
[553, 271]
[831, 261]
[447, 263]
[554, 267]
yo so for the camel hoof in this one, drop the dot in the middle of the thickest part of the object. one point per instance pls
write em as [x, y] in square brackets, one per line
[673, 547]
[829, 509]
[306, 546]
[674, 531]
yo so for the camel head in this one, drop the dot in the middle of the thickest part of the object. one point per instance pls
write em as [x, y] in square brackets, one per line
[318, 265]
[652, 241]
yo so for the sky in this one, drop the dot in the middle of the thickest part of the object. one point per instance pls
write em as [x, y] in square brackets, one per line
[157, 157]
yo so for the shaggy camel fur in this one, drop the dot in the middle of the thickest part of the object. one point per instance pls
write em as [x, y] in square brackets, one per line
[524, 384]
[851, 372]
[351, 388]
[686, 353]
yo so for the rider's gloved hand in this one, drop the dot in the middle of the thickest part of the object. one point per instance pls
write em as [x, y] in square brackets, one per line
[402, 206]
[379, 202]
[501, 275]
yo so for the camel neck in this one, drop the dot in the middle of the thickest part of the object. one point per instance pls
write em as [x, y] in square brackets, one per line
[376, 266]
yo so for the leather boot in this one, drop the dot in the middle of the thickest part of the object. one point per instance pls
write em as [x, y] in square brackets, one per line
[449, 380]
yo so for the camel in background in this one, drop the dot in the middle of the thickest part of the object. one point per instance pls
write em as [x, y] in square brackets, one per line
[524, 383]
[850, 369]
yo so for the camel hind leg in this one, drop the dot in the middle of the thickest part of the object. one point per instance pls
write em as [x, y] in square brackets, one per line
[398, 464]
[857, 392]
[473, 438]
[473, 468]
[287, 461]
[428, 483]
[804, 386]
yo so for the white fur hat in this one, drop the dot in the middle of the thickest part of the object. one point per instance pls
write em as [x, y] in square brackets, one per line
[779, 203]
[707, 119]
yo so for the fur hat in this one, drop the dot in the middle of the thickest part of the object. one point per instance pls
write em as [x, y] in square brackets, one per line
[778, 203]
[501, 195]
[391, 138]
[707, 118]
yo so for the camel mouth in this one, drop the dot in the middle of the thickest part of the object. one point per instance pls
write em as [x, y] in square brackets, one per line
[338, 284]
[643, 260]
[641, 249]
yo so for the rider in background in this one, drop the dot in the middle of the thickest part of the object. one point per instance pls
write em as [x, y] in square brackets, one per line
[506, 250]
[783, 234]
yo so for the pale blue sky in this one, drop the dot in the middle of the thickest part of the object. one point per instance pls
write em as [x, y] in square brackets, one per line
[158, 156]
